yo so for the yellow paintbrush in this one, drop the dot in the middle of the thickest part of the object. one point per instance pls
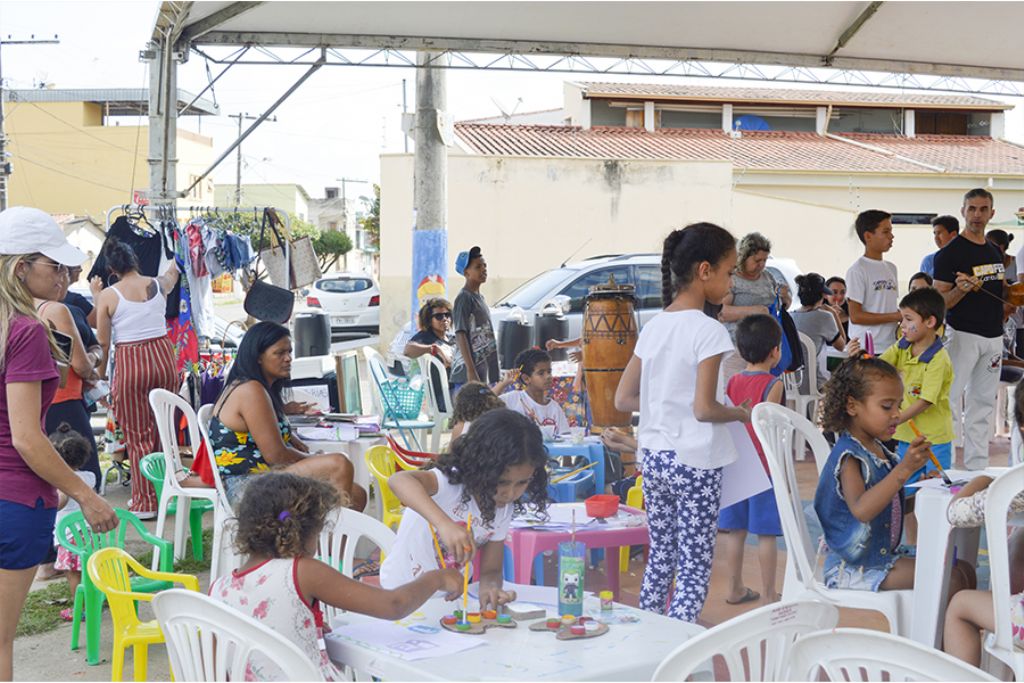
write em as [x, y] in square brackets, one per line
[574, 472]
[935, 461]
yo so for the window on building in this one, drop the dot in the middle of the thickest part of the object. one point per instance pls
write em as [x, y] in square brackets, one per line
[332, 225]
[331, 192]
[865, 120]
[913, 218]
[941, 123]
[197, 190]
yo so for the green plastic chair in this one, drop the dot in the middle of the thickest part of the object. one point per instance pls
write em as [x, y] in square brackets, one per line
[152, 467]
[74, 535]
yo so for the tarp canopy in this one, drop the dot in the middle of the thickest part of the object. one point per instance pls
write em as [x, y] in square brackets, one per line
[965, 39]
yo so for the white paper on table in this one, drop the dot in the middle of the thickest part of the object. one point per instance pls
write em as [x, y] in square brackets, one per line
[341, 432]
[314, 393]
[417, 641]
[745, 477]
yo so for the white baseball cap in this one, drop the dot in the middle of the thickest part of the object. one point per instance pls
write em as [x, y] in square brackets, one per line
[24, 230]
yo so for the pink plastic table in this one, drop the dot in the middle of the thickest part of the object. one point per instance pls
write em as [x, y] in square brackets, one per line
[526, 544]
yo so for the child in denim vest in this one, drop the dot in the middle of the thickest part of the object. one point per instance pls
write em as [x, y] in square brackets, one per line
[859, 500]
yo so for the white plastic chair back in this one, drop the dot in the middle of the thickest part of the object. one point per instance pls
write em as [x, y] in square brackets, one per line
[210, 641]
[810, 365]
[340, 538]
[761, 638]
[777, 428]
[164, 405]
[855, 654]
[439, 414]
[223, 556]
[378, 375]
[1000, 643]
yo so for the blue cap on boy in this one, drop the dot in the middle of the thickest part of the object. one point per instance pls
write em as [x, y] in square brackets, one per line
[464, 258]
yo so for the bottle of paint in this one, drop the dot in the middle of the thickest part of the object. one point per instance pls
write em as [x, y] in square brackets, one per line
[571, 571]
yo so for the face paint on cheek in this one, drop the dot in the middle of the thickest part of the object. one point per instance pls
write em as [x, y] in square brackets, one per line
[911, 328]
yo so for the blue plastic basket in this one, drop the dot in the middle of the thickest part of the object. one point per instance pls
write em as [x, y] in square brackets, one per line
[401, 400]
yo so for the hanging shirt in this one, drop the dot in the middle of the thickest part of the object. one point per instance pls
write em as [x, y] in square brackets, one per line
[149, 248]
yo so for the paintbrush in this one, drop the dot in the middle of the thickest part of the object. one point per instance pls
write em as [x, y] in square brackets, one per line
[563, 477]
[465, 575]
[437, 546]
[935, 461]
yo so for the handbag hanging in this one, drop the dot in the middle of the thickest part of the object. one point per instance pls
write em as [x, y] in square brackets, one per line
[265, 301]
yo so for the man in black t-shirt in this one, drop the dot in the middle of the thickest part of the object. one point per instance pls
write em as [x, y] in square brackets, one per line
[963, 268]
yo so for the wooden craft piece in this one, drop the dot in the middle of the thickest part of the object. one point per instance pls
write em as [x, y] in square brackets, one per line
[564, 630]
[478, 622]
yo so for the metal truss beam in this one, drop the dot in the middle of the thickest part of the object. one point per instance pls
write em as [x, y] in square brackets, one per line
[632, 66]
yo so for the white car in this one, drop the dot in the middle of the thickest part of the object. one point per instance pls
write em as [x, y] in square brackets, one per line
[567, 287]
[351, 299]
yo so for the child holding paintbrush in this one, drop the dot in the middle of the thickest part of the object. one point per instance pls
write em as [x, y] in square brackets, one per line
[465, 502]
[927, 373]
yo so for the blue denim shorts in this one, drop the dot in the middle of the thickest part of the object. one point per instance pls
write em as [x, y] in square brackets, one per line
[234, 487]
[26, 534]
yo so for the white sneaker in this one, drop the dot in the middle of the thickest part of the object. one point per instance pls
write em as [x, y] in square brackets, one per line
[144, 516]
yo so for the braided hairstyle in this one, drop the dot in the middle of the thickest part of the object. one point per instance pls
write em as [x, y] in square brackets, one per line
[852, 379]
[685, 249]
[478, 458]
[280, 513]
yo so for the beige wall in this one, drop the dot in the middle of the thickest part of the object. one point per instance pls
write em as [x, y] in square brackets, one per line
[66, 162]
[285, 196]
[530, 215]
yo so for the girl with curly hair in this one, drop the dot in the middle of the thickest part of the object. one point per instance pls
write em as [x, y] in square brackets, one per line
[473, 400]
[492, 471]
[860, 499]
[282, 584]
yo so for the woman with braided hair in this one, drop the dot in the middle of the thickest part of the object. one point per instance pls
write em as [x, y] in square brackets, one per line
[672, 379]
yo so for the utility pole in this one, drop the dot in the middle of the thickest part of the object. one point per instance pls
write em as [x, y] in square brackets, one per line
[5, 165]
[405, 138]
[344, 200]
[238, 159]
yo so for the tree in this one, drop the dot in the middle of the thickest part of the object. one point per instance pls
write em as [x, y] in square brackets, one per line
[370, 223]
[330, 246]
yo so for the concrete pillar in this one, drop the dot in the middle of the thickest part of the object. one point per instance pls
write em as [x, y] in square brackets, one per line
[430, 185]
[821, 120]
[727, 118]
[997, 125]
[909, 122]
[649, 116]
[163, 130]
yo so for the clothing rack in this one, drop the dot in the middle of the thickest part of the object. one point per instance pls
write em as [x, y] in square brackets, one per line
[212, 210]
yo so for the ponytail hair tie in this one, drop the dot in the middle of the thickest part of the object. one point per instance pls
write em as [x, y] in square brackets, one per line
[285, 514]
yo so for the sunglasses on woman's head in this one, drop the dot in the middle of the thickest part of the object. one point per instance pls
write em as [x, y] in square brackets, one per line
[442, 316]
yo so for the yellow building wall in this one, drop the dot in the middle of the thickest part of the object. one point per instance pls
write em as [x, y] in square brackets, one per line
[65, 161]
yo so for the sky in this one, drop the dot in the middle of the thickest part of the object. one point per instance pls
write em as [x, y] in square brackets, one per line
[335, 126]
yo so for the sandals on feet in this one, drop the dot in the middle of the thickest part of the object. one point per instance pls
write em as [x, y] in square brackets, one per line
[749, 596]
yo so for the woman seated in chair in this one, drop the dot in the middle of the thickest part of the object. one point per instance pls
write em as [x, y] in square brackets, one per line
[249, 433]
[435, 338]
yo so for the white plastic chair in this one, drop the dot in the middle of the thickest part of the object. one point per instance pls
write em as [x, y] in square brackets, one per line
[772, 627]
[389, 420]
[805, 404]
[340, 537]
[223, 556]
[210, 641]
[164, 405]
[999, 644]
[439, 414]
[857, 654]
[777, 428]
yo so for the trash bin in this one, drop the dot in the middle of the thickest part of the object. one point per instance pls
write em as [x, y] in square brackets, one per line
[551, 324]
[311, 334]
[514, 337]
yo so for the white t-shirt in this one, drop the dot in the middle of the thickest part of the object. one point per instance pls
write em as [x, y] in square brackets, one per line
[72, 505]
[670, 348]
[875, 286]
[414, 554]
[548, 414]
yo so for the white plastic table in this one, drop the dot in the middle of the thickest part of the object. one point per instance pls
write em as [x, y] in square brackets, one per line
[355, 450]
[936, 540]
[628, 652]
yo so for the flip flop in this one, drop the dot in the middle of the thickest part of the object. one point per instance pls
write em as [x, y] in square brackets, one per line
[749, 596]
[368, 568]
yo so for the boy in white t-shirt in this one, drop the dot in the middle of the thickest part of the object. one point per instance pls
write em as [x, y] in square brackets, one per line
[534, 369]
[872, 285]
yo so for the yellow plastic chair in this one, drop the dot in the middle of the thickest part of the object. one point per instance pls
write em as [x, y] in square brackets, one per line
[109, 570]
[382, 463]
[634, 499]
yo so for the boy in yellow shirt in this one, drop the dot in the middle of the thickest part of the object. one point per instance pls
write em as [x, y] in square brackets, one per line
[927, 373]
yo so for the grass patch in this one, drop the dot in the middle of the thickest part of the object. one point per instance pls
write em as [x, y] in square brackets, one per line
[42, 609]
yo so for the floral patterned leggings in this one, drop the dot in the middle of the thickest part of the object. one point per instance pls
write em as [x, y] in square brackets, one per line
[682, 516]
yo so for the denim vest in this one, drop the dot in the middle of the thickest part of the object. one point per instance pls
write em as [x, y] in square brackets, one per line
[865, 544]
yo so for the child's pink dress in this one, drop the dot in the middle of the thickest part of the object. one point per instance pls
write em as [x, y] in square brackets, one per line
[269, 593]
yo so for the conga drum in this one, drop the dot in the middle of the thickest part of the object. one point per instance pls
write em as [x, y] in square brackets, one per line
[609, 337]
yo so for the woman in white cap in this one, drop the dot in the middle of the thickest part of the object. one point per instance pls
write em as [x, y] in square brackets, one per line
[33, 255]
